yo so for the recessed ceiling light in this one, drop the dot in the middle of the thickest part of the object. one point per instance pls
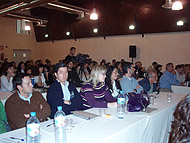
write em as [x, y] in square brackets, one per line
[67, 33]
[131, 27]
[46, 35]
[180, 23]
[95, 30]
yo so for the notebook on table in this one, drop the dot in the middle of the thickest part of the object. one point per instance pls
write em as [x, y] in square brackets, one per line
[84, 115]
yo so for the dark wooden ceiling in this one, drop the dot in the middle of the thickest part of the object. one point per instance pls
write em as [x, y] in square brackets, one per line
[115, 16]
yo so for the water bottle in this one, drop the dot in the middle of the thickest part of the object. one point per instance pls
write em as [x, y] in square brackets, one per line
[59, 123]
[33, 129]
[121, 105]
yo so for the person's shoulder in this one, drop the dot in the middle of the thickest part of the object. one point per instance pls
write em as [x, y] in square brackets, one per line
[3, 77]
[54, 85]
[13, 98]
[87, 87]
[71, 86]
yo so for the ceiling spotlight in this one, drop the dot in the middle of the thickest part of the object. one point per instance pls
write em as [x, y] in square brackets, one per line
[94, 15]
[131, 27]
[46, 35]
[95, 30]
[67, 33]
[177, 5]
[180, 23]
[27, 27]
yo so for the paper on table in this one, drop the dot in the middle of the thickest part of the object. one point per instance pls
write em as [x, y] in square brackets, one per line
[48, 126]
[85, 115]
[149, 110]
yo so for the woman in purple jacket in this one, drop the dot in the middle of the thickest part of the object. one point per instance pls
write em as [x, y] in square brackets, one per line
[95, 93]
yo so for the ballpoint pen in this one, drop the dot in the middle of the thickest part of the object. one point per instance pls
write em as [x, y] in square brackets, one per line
[17, 138]
[49, 125]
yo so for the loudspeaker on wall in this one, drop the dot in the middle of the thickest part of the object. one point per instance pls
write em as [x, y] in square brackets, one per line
[132, 51]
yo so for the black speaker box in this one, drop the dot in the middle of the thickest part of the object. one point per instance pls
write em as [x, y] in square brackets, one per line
[132, 51]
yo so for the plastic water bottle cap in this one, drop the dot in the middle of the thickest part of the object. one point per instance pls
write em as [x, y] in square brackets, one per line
[33, 114]
[59, 108]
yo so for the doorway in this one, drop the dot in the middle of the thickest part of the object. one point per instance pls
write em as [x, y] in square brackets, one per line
[21, 55]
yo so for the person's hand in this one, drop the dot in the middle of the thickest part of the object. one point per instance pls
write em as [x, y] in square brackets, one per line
[27, 115]
[112, 105]
[67, 102]
[174, 72]
[182, 83]
[13, 74]
[41, 106]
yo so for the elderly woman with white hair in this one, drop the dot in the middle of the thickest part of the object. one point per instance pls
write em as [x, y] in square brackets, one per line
[95, 93]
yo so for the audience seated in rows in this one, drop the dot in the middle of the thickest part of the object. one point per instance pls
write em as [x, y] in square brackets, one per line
[149, 83]
[95, 93]
[180, 75]
[62, 93]
[83, 73]
[72, 75]
[159, 71]
[40, 80]
[139, 70]
[7, 77]
[21, 67]
[128, 83]
[152, 67]
[112, 81]
[19, 105]
[168, 78]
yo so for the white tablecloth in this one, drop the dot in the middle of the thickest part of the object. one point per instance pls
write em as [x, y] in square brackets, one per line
[137, 127]
[180, 89]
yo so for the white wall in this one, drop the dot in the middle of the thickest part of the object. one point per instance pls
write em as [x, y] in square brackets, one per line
[163, 48]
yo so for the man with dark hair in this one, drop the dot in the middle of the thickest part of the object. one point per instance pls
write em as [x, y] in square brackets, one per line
[139, 70]
[62, 93]
[128, 83]
[149, 83]
[152, 67]
[71, 56]
[168, 78]
[114, 62]
[180, 73]
[72, 75]
[24, 101]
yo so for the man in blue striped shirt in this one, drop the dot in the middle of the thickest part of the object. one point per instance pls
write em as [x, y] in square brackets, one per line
[168, 78]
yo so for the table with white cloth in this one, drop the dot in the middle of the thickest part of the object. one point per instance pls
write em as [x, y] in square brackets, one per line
[180, 89]
[136, 127]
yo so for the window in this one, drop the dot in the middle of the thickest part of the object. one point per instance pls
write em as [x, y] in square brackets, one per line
[20, 27]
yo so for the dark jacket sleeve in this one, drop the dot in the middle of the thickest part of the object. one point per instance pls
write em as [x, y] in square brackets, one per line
[145, 84]
[44, 112]
[54, 97]
[76, 102]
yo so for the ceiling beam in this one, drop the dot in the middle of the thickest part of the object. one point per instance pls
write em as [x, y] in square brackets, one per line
[23, 6]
